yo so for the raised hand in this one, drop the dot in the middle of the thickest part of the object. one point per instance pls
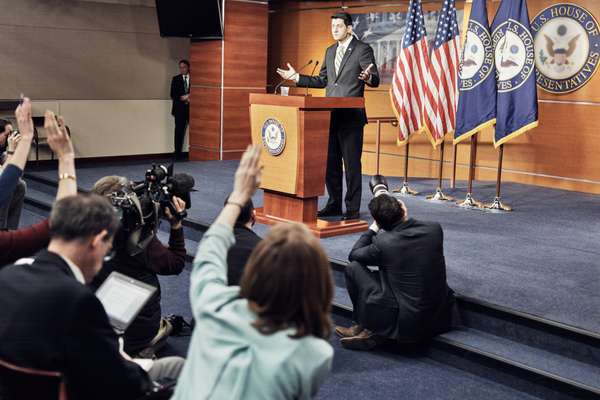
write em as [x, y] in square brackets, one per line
[24, 121]
[247, 176]
[58, 137]
[12, 142]
[289, 73]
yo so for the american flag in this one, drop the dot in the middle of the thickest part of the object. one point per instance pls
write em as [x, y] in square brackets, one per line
[444, 75]
[409, 94]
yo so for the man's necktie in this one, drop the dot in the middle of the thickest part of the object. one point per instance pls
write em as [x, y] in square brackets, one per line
[185, 83]
[339, 54]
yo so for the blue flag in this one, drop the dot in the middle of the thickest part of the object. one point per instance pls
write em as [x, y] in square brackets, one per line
[517, 106]
[477, 77]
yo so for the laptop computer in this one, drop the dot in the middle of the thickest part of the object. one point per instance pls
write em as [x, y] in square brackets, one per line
[123, 298]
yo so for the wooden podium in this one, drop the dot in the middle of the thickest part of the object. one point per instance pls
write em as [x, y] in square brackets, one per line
[294, 134]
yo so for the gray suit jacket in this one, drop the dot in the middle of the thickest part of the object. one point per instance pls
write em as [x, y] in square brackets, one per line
[358, 56]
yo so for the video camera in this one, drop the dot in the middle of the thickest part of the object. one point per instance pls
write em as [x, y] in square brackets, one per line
[141, 205]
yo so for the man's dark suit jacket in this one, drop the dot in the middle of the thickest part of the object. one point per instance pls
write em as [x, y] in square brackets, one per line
[245, 241]
[178, 90]
[50, 321]
[411, 261]
[357, 57]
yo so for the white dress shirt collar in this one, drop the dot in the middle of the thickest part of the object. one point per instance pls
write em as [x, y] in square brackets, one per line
[74, 269]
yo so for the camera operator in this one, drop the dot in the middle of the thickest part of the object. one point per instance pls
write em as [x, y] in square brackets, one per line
[149, 331]
[27, 241]
[407, 300]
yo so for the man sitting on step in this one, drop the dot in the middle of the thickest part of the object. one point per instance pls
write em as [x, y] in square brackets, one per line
[405, 298]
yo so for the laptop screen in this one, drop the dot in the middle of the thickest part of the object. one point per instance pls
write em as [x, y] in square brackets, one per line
[123, 298]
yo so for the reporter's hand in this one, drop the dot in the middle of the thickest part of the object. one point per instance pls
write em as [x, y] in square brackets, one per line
[58, 137]
[179, 207]
[247, 176]
[13, 142]
[24, 121]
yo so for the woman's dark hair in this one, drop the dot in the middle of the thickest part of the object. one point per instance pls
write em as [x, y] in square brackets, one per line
[386, 210]
[78, 217]
[3, 123]
[287, 281]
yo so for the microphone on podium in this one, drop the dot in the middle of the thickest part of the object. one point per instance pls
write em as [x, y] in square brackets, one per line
[285, 79]
[311, 74]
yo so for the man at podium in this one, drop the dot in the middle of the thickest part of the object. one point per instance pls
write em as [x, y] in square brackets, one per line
[348, 66]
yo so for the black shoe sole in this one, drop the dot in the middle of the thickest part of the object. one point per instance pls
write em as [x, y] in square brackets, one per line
[329, 214]
[358, 344]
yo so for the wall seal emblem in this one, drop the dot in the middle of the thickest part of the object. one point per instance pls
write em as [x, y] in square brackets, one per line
[567, 47]
[273, 136]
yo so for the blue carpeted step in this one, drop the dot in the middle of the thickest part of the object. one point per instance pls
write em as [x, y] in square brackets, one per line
[530, 330]
[42, 200]
[527, 357]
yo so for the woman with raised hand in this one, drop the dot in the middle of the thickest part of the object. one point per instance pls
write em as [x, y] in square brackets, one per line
[27, 241]
[267, 338]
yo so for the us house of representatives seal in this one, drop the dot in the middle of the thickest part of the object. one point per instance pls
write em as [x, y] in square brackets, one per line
[273, 136]
[567, 47]
[478, 58]
[514, 53]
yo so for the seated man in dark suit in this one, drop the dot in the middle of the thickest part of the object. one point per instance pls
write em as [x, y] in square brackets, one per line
[51, 320]
[407, 299]
[245, 241]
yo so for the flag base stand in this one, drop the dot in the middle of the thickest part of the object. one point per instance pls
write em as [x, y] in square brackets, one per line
[497, 206]
[405, 190]
[468, 202]
[439, 196]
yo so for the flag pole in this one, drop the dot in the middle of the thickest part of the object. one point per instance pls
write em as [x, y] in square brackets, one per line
[439, 195]
[468, 202]
[405, 190]
[497, 205]
[453, 180]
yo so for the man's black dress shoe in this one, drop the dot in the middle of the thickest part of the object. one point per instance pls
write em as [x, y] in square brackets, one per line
[350, 215]
[328, 211]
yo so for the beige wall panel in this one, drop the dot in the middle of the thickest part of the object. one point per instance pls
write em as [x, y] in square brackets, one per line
[62, 64]
[79, 15]
[82, 50]
[119, 127]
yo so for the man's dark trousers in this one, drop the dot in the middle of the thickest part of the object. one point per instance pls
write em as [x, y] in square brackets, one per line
[346, 130]
[345, 149]
[182, 117]
[180, 111]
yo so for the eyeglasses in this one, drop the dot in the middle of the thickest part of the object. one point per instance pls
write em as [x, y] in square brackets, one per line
[110, 255]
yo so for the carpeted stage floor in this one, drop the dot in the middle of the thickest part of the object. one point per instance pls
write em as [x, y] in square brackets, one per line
[542, 259]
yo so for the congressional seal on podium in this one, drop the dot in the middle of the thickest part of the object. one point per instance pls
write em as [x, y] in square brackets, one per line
[273, 136]
[567, 47]
[514, 53]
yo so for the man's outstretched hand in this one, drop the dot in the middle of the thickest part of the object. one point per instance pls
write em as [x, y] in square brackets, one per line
[288, 74]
